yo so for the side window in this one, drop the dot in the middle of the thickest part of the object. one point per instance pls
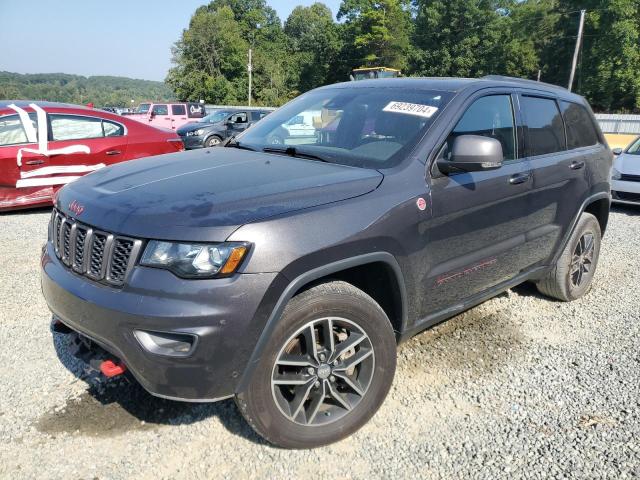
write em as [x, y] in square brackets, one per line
[580, 129]
[492, 117]
[11, 130]
[112, 129]
[72, 127]
[239, 117]
[160, 110]
[178, 110]
[544, 124]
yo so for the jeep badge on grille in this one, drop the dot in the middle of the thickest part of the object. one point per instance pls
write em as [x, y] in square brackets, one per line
[76, 208]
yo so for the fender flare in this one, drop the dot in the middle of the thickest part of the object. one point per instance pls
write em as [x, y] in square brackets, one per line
[589, 200]
[307, 278]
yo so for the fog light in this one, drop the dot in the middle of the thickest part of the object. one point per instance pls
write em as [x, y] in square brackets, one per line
[169, 344]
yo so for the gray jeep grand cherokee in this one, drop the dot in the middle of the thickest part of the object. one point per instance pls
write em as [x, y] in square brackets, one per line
[285, 275]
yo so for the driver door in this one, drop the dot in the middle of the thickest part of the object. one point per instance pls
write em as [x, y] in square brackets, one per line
[478, 228]
[238, 122]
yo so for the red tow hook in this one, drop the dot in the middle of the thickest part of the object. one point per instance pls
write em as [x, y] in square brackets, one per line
[110, 369]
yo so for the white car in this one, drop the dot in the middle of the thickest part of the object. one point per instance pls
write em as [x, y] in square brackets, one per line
[625, 174]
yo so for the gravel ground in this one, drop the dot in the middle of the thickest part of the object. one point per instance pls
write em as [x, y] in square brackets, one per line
[519, 387]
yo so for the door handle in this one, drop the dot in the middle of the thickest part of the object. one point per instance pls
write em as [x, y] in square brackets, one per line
[576, 165]
[113, 152]
[519, 178]
[34, 162]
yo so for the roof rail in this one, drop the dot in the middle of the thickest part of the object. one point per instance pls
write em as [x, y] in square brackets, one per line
[526, 81]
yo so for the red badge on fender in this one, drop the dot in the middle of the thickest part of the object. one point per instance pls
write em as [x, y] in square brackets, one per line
[421, 203]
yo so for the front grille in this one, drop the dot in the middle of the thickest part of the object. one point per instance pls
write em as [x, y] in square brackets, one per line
[101, 256]
[628, 197]
[630, 178]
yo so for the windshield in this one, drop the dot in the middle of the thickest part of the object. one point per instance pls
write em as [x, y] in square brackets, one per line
[215, 117]
[634, 149]
[143, 108]
[363, 127]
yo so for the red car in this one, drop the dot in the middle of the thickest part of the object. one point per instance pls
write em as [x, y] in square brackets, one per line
[45, 145]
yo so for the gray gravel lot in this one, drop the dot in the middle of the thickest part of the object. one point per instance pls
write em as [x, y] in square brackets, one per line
[519, 387]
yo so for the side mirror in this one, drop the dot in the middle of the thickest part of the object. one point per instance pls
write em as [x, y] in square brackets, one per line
[473, 153]
[617, 151]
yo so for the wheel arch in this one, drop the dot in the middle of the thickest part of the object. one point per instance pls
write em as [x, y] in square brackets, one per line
[352, 270]
[597, 205]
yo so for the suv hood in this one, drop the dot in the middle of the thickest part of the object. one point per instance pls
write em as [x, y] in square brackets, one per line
[205, 195]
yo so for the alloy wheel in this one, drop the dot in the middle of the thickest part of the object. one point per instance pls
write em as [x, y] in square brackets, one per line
[323, 371]
[582, 260]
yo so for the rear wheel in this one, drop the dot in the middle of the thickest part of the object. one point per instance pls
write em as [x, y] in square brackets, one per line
[326, 371]
[572, 275]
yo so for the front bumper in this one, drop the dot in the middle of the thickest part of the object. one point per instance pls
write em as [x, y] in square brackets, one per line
[191, 142]
[222, 313]
[625, 192]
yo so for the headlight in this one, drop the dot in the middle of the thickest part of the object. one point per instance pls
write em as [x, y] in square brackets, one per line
[195, 133]
[615, 174]
[195, 260]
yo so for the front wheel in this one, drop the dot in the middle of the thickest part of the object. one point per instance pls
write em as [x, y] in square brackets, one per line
[572, 275]
[213, 141]
[327, 369]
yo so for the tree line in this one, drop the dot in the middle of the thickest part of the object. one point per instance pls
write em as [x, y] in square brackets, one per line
[100, 90]
[461, 38]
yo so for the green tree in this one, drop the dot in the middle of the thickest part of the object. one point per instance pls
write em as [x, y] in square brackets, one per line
[376, 32]
[209, 59]
[314, 42]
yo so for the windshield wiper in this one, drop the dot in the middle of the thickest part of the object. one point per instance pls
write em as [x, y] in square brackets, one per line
[231, 142]
[293, 152]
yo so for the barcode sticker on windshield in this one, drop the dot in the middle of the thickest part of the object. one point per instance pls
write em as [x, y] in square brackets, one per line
[416, 109]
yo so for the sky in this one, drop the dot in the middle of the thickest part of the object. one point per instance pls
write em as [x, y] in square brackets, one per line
[129, 38]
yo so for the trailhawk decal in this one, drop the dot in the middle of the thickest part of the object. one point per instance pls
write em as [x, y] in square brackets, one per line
[426, 111]
[450, 277]
[43, 176]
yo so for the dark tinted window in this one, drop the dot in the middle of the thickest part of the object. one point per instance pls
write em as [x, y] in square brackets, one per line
[489, 117]
[544, 122]
[160, 110]
[580, 129]
[178, 110]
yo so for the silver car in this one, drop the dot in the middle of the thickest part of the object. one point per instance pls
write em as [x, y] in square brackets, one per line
[625, 174]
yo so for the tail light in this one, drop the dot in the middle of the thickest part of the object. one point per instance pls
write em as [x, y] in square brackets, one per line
[177, 143]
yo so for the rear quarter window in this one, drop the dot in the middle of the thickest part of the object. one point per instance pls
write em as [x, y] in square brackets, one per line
[580, 129]
[544, 125]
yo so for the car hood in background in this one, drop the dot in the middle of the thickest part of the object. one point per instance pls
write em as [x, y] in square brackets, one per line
[191, 126]
[205, 195]
[627, 163]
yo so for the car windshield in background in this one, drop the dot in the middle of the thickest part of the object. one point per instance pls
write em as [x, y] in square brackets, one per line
[215, 117]
[362, 127]
[634, 149]
[143, 108]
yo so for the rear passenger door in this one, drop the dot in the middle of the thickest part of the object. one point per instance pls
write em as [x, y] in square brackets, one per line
[178, 115]
[559, 175]
[477, 234]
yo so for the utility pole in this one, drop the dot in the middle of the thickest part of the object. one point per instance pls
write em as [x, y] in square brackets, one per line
[250, 68]
[575, 53]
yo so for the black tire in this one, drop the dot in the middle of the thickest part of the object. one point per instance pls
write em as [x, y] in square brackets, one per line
[212, 141]
[565, 282]
[261, 403]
